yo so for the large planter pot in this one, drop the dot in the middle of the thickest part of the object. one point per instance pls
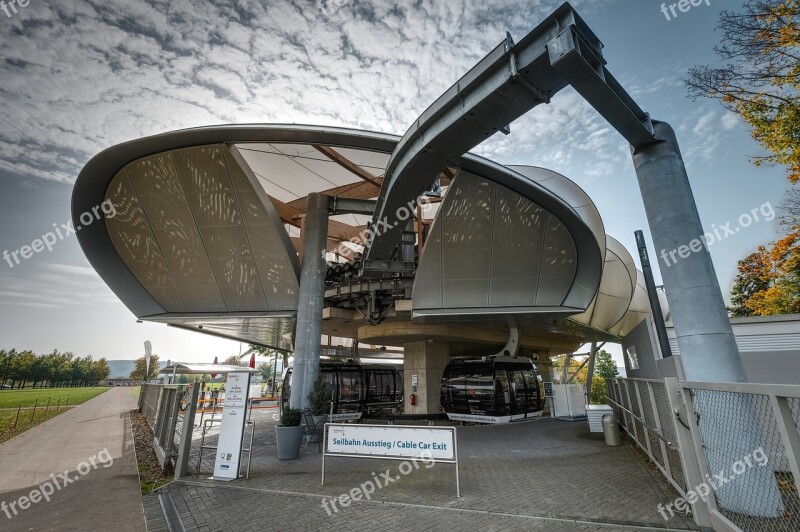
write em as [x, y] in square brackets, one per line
[288, 441]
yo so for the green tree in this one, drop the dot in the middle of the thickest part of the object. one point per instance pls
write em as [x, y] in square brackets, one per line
[265, 370]
[604, 366]
[759, 80]
[268, 352]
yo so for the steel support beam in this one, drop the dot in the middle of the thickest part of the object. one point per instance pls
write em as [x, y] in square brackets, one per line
[337, 205]
[511, 80]
[655, 304]
[308, 334]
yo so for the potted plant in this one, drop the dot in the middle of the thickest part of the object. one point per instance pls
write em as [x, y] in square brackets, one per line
[289, 434]
[319, 401]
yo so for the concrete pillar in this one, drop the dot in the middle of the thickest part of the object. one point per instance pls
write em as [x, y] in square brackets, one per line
[427, 361]
[308, 334]
[730, 426]
[590, 373]
[702, 326]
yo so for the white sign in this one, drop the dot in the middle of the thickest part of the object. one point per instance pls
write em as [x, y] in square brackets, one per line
[379, 441]
[231, 432]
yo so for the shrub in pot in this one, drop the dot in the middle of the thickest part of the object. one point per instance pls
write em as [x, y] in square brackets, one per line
[319, 402]
[289, 434]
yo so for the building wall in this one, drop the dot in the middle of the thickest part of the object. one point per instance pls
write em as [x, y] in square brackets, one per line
[769, 347]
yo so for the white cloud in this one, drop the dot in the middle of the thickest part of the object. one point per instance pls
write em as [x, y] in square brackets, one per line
[79, 78]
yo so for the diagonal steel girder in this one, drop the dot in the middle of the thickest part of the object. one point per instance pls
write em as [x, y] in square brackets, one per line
[511, 80]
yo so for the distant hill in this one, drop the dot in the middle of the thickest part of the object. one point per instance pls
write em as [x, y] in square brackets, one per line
[121, 369]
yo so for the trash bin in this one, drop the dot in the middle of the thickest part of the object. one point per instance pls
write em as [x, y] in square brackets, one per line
[611, 430]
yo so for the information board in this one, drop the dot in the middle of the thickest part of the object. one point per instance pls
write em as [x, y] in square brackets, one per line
[428, 444]
[548, 389]
[392, 441]
[231, 432]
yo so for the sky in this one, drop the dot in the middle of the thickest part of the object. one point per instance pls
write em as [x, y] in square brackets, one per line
[77, 77]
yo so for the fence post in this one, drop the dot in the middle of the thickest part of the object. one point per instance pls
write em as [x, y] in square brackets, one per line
[683, 419]
[17, 418]
[33, 413]
[47, 407]
[185, 445]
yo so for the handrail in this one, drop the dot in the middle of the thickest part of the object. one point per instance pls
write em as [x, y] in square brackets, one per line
[644, 423]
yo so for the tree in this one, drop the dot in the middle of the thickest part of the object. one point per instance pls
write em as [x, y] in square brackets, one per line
[265, 370]
[769, 279]
[604, 366]
[791, 208]
[267, 352]
[759, 81]
[783, 293]
[139, 372]
[232, 360]
[753, 277]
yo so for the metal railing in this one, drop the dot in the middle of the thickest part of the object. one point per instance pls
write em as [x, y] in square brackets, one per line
[162, 407]
[731, 450]
[644, 411]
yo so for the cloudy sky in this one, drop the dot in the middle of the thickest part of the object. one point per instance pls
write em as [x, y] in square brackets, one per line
[79, 76]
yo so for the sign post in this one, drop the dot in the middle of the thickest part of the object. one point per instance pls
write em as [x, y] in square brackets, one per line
[434, 444]
[231, 432]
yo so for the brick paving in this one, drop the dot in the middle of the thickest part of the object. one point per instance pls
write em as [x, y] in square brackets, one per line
[542, 475]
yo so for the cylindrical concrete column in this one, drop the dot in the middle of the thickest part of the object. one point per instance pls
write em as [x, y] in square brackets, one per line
[308, 334]
[730, 425]
[702, 326]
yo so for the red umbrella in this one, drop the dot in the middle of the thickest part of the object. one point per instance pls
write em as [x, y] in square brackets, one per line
[253, 360]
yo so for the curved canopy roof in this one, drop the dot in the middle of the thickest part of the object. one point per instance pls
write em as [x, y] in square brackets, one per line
[206, 235]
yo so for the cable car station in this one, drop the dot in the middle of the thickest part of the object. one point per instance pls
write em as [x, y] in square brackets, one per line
[428, 285]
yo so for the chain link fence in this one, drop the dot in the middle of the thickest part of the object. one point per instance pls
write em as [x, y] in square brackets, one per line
[642, 408]
[732, 450]
[750, 451]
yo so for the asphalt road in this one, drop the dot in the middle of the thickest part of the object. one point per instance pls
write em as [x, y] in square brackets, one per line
[82, 461]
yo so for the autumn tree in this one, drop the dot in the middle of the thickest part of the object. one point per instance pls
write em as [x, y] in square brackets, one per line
[753, 277]
[782, 296]
[759, 79]
[139, 372]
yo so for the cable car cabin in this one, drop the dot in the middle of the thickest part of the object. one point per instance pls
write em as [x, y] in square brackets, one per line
[384, 387]
[356, 388]
[492, 390]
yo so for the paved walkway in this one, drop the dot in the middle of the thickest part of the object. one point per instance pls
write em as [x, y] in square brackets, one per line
[543, 475]
[97, 497]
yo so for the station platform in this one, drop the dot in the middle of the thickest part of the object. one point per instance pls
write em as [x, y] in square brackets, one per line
[541, 475]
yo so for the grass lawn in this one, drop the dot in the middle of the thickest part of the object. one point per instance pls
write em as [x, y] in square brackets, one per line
[27, 397]
[7, 418]
[12, 424]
